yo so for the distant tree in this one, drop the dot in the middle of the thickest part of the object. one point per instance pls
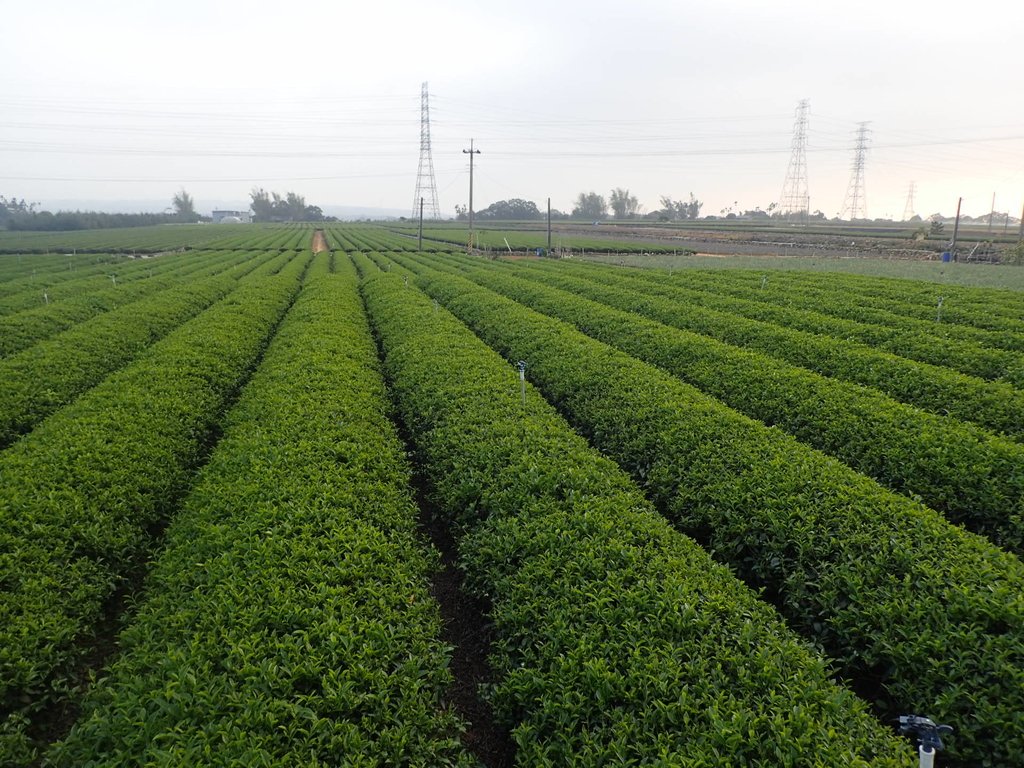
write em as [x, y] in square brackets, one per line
[679, 209]
[623, 204]
[511, 210]
[461, 212]
[184, 206]
[15, 210]
[590, 205]
[261, 204]
[936, 228]
[271, 206]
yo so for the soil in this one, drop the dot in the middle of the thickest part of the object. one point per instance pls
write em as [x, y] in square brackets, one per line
[468, 630]
[319, 242]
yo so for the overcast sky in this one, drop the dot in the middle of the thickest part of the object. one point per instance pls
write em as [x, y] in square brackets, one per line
[105, 100]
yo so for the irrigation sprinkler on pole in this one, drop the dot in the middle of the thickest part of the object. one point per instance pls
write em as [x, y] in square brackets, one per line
[927, 734]
[419, 242]
[521, 367]
[938, 313]
[471, 152]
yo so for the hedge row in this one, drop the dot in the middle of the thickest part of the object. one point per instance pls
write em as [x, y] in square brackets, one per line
[19, 274]
[968, 358]
[839, 305]
[1001, 333]
[993, 308]
[126, 274]
[618, 640]
[288, 621]
[996, 406]
[919, 614]
[967, 474]
[23, 329]
[44, 378]
[272, 237]
[84, 492]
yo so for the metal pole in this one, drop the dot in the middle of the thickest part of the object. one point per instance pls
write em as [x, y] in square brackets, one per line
[471, 152]
[956, 229]
[549, 226]
[419, 242]
[1020, 236]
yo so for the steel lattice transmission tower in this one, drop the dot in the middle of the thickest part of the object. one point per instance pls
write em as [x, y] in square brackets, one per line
[908, 209]
[794, 197]
[855, 203]
[426, 184]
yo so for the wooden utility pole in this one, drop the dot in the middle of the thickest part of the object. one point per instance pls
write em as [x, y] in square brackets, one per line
[471, 152]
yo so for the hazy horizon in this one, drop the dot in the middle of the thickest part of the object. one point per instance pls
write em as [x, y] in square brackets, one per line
[134, 101]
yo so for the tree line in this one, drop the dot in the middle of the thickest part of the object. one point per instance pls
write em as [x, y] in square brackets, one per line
[271, 206]
[589, 206]
[19, 214]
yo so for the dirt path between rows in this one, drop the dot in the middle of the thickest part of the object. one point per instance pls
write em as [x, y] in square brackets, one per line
[319, 242]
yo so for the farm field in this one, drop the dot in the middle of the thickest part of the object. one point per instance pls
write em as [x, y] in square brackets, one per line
[371, 505]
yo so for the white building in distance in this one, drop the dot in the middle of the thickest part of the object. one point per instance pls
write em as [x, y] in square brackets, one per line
[231, 217]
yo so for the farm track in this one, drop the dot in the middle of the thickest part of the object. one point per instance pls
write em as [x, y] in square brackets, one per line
[319, 244]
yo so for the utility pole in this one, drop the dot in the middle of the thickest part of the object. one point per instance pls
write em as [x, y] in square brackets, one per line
[1020, 236]
[419, 242]
[991, 213]
[471, 152]
[549, 226]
